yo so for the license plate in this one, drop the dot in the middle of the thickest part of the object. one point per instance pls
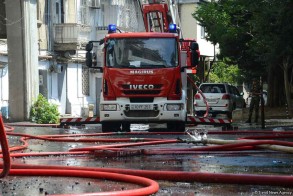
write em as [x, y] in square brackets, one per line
[212, 100]
[141, 107]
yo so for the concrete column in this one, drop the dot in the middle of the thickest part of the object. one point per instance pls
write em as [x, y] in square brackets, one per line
[3, 33]
[22, 57]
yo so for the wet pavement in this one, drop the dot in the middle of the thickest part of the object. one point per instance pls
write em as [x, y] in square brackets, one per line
[257, 161]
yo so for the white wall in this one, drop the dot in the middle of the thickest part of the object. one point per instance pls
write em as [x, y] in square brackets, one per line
[76, 99]
[4, 86]
[206, 48]
[74, 93]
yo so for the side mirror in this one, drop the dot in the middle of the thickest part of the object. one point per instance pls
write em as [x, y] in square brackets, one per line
[89, 59]
[194, 58]
[194, 46]
[194, 54]
[89, 46]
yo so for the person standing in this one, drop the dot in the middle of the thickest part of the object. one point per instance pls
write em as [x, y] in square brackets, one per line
[255, 100]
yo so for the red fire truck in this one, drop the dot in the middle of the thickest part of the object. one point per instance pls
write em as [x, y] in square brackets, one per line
[144, 73]
[144, 79]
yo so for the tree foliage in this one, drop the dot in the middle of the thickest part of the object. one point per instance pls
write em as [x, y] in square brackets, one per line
[223, 72]
[256, 36]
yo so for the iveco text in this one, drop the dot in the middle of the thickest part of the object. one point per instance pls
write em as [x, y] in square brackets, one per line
[141, 86]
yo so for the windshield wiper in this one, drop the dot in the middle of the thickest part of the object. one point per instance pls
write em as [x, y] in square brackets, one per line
[159, 66]
[153, 66]
[125, 66]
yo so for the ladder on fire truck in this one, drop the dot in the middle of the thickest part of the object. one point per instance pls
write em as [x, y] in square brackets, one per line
[159, 14]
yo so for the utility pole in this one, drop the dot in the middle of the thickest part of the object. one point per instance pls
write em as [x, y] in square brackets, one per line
[262, 108]
[22, 42]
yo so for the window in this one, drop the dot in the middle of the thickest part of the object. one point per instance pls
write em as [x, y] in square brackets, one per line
[142, 53]
[202, 33]
[213, 88]
[85, 81]
[59, 8]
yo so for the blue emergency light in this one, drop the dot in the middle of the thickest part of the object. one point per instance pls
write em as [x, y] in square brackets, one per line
[172, 28]
[112, 28]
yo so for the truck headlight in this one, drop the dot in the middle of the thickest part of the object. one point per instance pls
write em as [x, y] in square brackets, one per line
[174, 107]
[108, 107]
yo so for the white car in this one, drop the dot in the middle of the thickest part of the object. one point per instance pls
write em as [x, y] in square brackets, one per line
[222, 98]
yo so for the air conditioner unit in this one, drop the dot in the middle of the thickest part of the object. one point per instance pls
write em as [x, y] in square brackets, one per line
[95, 4]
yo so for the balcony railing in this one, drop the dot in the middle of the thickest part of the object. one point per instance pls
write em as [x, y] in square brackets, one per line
[68, 36]
[66, 33]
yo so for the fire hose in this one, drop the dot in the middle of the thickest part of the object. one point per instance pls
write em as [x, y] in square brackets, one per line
[150, 185]
[179, 176]
[5, 150]
[200, 92]
[145, 176]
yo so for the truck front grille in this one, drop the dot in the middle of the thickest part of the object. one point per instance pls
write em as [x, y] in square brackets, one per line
[141, 113]
[141, 92]
[141, 99]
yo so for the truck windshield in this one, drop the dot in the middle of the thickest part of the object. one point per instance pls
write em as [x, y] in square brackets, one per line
[141, 53]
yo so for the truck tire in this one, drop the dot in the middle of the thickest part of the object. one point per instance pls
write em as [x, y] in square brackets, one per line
[199, 114]
[110, 127]
[125, 127]
[176, 126]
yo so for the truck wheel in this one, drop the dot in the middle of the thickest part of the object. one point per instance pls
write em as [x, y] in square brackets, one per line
[200, 114]
[126, 127]
[110, 127]
[176, 126]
